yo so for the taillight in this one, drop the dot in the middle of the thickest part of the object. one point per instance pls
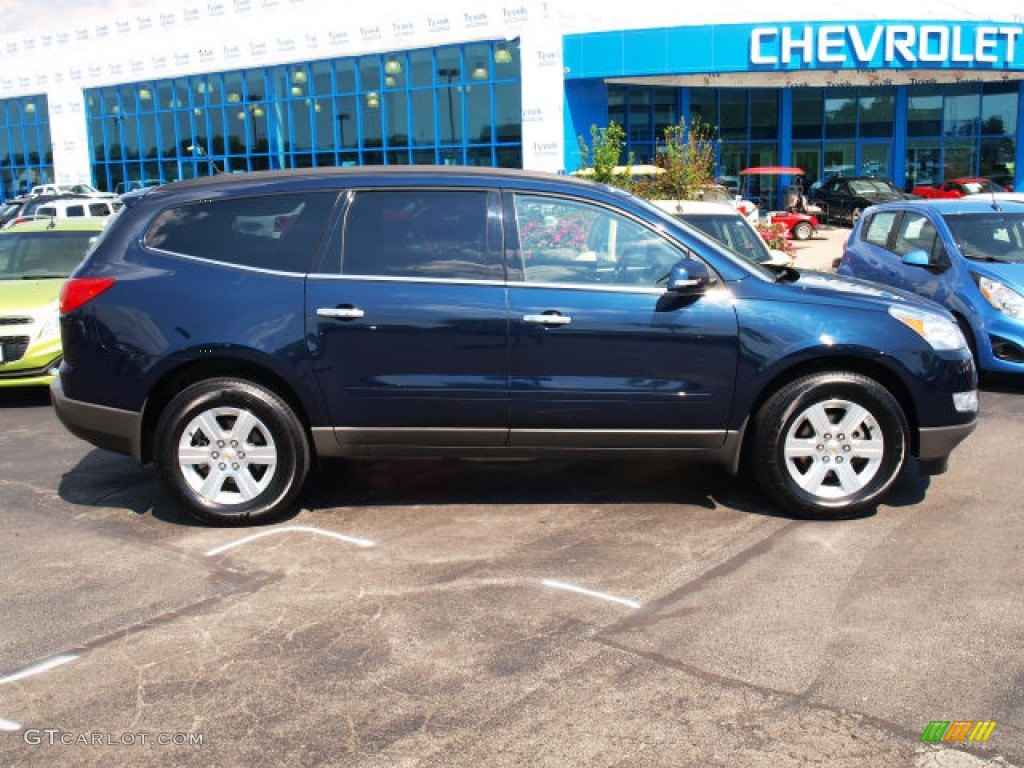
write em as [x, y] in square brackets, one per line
[78, 290]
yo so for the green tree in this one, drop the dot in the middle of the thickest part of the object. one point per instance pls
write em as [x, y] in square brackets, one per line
[687, 159]
[603, 154]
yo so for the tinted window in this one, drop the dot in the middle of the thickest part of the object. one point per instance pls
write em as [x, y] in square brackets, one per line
[42, 254]
[278, 232]
[567, 241]
[98, 209]
[76, 210]
[878, 226]
[438, 234]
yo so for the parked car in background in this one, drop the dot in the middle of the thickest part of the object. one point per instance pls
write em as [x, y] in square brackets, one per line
[133, 186]
[844, 199]
[954, 188]
[64, 207]
[966, 254]
[35, 260]
[716, 193]
[82, 190]
[727, 225]
[485, 312]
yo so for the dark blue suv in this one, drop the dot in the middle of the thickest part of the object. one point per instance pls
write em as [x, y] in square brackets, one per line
[232, 330]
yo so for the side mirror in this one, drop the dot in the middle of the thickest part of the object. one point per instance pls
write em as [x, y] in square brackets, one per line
[920, 258]
[917, 258]
[689, 277]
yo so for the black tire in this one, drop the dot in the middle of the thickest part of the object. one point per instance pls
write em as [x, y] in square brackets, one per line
[812, 469]
[256, 470]
[802, 230]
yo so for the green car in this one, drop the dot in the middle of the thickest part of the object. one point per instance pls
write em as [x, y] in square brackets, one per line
[35, 259]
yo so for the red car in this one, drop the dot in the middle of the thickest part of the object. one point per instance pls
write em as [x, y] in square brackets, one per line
[959, 188]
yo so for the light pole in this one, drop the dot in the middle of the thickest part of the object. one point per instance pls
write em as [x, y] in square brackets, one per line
[198, 149]
[450, 74]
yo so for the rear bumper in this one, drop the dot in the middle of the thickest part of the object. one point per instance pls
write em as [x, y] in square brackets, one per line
[110, 428]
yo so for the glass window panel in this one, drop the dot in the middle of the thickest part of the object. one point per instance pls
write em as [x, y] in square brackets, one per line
[424, 157]
[255, 85]
[874, 160]
[640, 119]
[997, 159]
[321, 74]
[479, 156]
[958, 158]
[808, 108]
[345, 75]
[877, 110]
[616, 105]
[924, 111]
[397, 114]
[764, 114]
[665, 113]
[421, 68]
[449, 102]
[702, 106]
[300, 126]
[325, 121]
[449, 65]
[961, 110]
[923, 163]
[168, 139]
[999, 110]
[733, 111]
[369, 73]
[371, 121]
[840, 159]
[345, 112]
[478, 105]
[506, 60]
[423, 117]
[508, 103]
[841, 113]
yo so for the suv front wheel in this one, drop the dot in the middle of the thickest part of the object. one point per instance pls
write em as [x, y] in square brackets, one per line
[828, 445]
[231, 451]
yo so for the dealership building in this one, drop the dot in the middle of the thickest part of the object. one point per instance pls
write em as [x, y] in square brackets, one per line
[172, 90]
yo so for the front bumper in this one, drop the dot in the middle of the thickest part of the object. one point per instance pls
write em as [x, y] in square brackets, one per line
[937, 443]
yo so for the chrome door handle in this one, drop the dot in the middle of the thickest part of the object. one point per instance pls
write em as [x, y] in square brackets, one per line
[547, 319]
[341, 313]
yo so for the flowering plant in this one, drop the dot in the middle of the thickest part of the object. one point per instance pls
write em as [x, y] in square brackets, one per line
[776, 237]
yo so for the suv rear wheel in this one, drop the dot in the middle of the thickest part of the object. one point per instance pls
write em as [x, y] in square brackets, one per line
[231, 451]
[829, 445]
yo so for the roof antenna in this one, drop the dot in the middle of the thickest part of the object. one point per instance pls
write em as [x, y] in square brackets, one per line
[992, 192]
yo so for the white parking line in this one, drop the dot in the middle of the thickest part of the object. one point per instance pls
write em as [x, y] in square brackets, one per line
[9, 725]
[590, 593]
[37, 669]
[292, 529]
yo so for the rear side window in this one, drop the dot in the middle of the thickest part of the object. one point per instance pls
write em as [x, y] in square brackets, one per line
[439, 234]
[99, 209]
[75, 210]
[276, 232]
[878, 227]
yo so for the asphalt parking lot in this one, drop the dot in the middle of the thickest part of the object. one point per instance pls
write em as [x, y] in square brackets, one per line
[506, 614]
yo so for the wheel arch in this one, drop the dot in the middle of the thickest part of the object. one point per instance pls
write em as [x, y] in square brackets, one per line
[839, 363]
[192, 372]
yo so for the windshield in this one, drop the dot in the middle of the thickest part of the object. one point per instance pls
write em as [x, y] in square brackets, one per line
[989, 235]
[872, 187]
[39, 255]
[733, 231]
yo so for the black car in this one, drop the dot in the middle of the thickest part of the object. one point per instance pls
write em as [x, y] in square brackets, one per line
[233, 330]
[843, 198]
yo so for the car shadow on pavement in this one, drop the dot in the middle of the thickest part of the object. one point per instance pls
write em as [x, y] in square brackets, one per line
[108, 480]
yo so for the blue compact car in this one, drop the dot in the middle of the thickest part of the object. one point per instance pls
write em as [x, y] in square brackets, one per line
[235, 329]
[966, 254]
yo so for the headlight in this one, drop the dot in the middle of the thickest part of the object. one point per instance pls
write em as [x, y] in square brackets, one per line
[51, 326]
[1000, 296]
[940, 333]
